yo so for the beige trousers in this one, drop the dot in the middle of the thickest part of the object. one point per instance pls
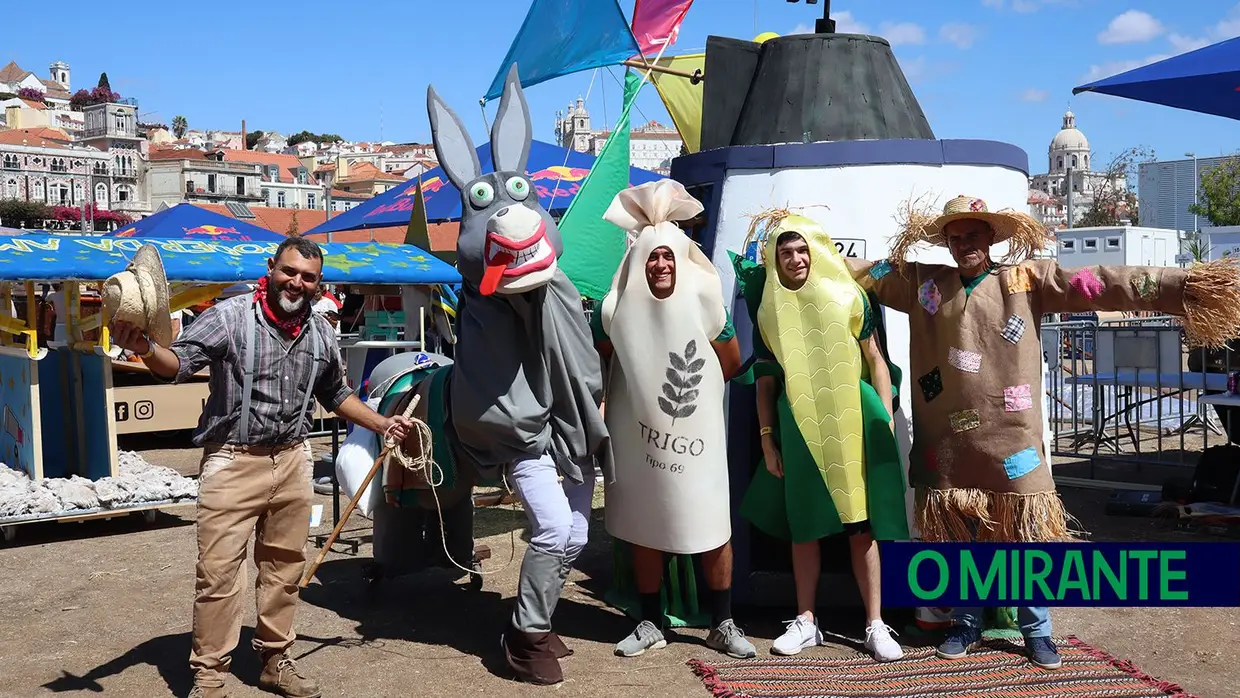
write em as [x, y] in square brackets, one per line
[242, 490]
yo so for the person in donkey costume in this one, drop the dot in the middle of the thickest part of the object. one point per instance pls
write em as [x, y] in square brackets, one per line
[526, 384]
[978, 461]
[665, 411]
[825, 394]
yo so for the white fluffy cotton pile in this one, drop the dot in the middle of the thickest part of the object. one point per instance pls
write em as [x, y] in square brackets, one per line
[137, 482]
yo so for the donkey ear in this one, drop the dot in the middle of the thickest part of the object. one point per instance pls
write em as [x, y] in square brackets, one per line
[453, 146]
[512, 132]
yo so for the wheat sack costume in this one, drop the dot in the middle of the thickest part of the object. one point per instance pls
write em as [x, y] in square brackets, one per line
[841, 462]
[665, 391]
[978, 457]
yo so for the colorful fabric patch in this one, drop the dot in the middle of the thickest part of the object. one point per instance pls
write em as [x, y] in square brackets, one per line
[880, 269]
[1014, 329]
[1146, 286]
[931, 384]
[1086, 283]
[965, 420]
[1021, 463]
[1019, 280]
[929, 297]
[1017, 398]
[964, 360]
[945, 455]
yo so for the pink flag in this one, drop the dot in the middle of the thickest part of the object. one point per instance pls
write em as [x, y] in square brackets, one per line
[657, 22]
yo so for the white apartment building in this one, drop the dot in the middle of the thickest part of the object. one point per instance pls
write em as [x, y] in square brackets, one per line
[1166, 188]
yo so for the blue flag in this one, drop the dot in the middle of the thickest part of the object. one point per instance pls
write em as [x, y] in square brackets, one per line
[560, 37]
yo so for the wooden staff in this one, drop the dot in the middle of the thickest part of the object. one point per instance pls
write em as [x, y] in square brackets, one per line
[357, 496]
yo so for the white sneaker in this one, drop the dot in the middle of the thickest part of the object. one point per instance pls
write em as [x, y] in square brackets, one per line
[801, 633]
[879, 643]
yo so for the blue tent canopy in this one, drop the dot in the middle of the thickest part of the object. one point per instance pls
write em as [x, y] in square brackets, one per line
[68, 258]
[1206, 80]
[557, 174]
[188, 221]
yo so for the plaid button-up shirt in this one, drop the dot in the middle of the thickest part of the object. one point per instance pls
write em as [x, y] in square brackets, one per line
[281, 374]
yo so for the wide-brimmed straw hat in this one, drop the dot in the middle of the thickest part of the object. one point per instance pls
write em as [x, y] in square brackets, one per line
[1004, 223]
[139, 296]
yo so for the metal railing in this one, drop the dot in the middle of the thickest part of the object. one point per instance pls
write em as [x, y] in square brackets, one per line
[1123, 391]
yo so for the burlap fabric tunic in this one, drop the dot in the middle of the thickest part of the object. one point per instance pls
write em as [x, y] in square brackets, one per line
[977, 389]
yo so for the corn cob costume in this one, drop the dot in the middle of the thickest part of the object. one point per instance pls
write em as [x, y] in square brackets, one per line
[978, 456]
[841, 462]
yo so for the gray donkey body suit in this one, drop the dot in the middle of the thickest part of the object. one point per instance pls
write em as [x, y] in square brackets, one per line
[527, 383]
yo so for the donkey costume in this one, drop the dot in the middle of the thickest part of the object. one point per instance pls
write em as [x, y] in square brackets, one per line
[526, 387]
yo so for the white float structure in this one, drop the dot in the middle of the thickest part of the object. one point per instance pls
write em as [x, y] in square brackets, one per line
[854, 189]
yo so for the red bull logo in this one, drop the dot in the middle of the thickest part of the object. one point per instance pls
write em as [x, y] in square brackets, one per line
[557, 173]
[429, 186]
[212, 230]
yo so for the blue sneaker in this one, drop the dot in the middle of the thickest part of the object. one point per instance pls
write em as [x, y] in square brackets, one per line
[960, 639]
[1041, 651]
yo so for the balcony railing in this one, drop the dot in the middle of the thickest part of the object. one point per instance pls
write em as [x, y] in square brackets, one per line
[223, 193]
[105, 131]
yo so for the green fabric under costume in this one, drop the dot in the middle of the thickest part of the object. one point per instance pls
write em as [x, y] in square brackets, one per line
[436, 419]
[596, 326]
[799, 507]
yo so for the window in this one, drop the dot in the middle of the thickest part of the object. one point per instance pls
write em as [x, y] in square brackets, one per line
[58, 165]
[101, 194]
[10, 189]
[10, 162]
[1059, 163]
[1113, 243]
[122, 193]
[1068, 245]
[310, 201]
[38, 190]
[189, 186]
[1074, 161]
[1089, 244]
[241, 186]
[211, 182]
[101, 168]
[279, 199]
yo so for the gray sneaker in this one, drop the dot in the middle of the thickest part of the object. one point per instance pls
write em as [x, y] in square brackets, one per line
[730, 640]
[644, 637]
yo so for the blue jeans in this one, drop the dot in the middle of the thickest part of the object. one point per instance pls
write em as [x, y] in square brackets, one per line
[1035, 621]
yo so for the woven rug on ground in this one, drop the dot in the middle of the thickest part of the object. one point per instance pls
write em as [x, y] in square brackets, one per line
[996, 668]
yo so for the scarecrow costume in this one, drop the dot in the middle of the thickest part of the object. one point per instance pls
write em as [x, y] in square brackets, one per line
[841, 462]
[978, 460]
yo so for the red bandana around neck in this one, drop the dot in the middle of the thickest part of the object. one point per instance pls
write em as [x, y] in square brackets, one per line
[291, 326]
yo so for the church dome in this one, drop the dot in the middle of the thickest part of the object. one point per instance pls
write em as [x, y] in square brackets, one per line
[1069, 138]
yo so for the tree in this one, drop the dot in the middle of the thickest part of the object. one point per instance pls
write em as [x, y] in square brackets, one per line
[179, 125]
[252, 138]
[31, 93]
[103, 81]
[23, 214]
[1115, 201]
[1218, 194]
[303, 136]
[293, 229]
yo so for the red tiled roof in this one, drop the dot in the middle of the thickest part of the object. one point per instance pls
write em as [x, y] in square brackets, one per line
[35, 105]
[159, 153]
[274, 219]
[13, 73]
[40, 136]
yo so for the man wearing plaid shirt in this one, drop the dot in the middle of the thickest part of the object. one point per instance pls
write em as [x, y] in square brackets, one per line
[268, 355]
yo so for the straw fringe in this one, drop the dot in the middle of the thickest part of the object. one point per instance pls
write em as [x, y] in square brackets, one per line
[1212, 304]
[1000, 517]
[916, 218]
[761, 225]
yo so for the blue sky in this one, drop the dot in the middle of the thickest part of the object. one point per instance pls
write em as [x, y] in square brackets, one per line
[995, 69]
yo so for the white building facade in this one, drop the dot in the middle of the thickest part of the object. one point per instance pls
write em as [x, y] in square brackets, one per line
[652, 146]
[1166, 188]
[1068, 167]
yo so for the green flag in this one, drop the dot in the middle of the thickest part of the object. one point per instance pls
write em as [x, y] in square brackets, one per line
[593, 247]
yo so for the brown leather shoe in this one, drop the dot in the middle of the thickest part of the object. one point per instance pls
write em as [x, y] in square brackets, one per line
[281, 676]
[531, 657]
[208, 692]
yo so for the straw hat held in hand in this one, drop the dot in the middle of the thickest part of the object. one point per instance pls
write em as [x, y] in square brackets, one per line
[136, 300]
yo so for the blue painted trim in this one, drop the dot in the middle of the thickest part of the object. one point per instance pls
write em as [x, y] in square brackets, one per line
[712, 165]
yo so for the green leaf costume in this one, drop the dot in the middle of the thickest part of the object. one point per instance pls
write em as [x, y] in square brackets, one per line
[841, 460]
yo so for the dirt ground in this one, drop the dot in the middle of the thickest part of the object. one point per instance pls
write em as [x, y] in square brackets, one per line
[104, 607]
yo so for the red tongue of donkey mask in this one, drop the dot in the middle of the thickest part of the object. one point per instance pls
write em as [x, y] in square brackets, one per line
[507, 243]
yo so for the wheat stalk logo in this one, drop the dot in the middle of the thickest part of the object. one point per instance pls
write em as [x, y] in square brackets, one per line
[680, 390]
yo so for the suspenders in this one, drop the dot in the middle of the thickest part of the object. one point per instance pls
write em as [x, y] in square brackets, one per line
[247, 385]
